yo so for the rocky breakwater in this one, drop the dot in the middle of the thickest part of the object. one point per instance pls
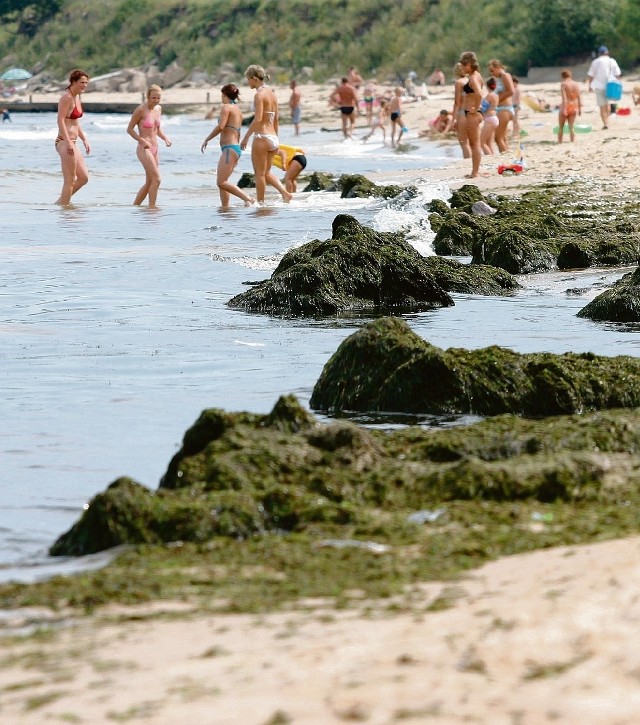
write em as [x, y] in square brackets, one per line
[550, 227]
[361, 269]
[385, 366]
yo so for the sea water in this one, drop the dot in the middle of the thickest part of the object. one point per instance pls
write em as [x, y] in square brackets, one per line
[114, 328]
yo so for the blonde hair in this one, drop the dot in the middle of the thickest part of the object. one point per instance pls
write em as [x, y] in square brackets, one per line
[458, 71]
[153, 88]
[256, 71]
[495, 63]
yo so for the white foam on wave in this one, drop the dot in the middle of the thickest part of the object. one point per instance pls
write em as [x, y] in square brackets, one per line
[412, 216]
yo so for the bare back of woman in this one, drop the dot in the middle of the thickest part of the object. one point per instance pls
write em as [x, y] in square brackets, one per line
[264, 128]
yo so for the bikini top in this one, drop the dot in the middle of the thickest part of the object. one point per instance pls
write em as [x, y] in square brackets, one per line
[75, 112]
[150, 121]
[467, 88]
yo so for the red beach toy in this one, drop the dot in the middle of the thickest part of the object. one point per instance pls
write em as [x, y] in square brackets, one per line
[510, 169]
[623, 111]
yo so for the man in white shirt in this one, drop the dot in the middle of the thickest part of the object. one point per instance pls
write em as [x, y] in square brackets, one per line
[601, 71]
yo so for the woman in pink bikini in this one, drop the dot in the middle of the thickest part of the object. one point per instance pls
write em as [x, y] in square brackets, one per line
[264, 128]
[74, 169]
[144, 127]
[228, 128]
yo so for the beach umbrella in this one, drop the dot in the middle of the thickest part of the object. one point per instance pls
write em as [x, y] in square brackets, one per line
[15, 74]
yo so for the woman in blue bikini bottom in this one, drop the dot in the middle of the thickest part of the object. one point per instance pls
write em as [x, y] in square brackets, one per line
[228, 128]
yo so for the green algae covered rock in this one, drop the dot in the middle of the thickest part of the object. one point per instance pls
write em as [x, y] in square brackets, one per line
[356, 269]
[360, 269]
[479, 279]
[385, 366]
[243, 476]
[621, 303]
[546, 228]
[358, 186]
[247, 181]
[319, 181]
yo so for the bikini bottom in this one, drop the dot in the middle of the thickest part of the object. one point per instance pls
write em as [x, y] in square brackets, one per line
[60, 138]
[231, 147]
[271, 138]
[301, 159]
[152, 149]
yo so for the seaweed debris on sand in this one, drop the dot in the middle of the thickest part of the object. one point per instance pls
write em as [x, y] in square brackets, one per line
[552, 226]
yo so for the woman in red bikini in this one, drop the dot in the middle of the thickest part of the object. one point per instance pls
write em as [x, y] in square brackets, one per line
[144, 127]
[74, 169]
[571, 105]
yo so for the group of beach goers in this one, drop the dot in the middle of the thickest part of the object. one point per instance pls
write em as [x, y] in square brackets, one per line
[484, 118]
[145, 127]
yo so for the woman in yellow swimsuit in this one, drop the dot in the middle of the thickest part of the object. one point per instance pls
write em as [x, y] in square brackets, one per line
[228, 128]
[144, 127]
[264, 128]
[74, 169]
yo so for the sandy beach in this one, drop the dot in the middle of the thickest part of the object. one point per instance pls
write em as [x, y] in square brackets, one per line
[544, 637]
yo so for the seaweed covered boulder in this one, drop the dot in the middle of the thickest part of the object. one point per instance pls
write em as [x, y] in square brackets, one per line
[547, 228]
[385, 366]
[620, 303]
[479, 279]
[247, 181]
[358, 268]
[319, 181]
[358, 186]
[242, 476]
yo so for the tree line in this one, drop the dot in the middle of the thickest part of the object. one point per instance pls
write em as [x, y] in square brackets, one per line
[391, 37]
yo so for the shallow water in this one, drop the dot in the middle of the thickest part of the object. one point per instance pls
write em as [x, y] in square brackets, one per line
[114, 330]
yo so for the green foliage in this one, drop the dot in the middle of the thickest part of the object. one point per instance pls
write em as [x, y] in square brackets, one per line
[387, 38]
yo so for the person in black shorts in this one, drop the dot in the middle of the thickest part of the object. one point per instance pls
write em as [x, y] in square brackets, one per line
[346, 99]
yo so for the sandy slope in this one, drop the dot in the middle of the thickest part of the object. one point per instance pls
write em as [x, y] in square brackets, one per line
[546, 637]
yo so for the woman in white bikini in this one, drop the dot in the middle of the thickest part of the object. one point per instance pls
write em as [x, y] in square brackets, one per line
[504, 109]
[228, 128]
[264, 128]
[488, 110]
[74, 169]
[144, 127]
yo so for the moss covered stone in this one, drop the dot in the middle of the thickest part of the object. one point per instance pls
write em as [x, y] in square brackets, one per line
[356, 269]
[319, 181]
[550, 227]
[240, 476]
[247, 181]
[360, 269]
[621, 303]
[357, 185]
[385, 366]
